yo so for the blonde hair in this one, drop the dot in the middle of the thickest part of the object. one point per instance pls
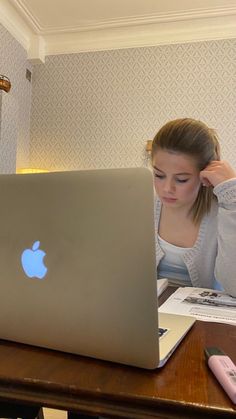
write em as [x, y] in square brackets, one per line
[193, 138]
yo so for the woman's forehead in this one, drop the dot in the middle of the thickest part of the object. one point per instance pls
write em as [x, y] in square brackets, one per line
[168, 159]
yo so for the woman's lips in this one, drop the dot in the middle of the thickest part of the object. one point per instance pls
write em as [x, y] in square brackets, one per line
[169, 200]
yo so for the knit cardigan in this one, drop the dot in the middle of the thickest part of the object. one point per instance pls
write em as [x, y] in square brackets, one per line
[213, 256]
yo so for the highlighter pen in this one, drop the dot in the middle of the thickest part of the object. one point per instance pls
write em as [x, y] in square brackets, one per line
[224, 370]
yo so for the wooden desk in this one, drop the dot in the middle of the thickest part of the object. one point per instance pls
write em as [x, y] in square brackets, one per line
[183, 388]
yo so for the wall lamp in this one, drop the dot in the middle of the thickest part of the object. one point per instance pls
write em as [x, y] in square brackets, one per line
[5, 83]
[149, 146]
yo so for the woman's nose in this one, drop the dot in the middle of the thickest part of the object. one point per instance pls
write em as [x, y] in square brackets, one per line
[169, 185]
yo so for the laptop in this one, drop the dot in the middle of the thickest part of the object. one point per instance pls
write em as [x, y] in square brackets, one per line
[78, 269]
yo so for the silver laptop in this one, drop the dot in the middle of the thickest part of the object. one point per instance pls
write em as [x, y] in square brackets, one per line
[77, 266]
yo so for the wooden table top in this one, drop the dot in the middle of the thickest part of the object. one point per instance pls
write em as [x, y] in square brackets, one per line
[183, 388]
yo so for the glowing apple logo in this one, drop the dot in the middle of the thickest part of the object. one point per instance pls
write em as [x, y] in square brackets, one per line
[32, 262]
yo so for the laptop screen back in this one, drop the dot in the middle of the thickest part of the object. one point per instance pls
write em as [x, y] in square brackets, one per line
[77, 263]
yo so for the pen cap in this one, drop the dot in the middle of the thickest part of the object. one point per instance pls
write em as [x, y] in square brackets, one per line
[212, 351]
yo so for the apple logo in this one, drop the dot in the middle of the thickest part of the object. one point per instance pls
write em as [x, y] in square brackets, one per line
[32, 262]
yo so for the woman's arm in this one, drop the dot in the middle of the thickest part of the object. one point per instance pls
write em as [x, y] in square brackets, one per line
[225, 266]
[222, 177]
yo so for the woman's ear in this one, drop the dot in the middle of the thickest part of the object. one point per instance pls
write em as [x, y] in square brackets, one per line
[217, 151]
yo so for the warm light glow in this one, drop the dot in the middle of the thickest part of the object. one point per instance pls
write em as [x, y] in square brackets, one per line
[148, 146]
[25, 170]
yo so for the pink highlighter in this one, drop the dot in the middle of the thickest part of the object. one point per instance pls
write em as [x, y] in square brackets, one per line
[224, 370]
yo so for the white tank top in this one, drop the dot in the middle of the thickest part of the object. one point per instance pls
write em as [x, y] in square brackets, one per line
[172, 265]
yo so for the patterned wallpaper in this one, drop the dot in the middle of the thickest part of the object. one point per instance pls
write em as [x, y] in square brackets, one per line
[15, 105]
[96, 110]
[8, 134]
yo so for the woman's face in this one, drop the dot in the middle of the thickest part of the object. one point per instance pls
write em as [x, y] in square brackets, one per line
[176, 178]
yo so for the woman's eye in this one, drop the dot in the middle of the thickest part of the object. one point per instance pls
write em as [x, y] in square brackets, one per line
[182, 180]
[159, 176]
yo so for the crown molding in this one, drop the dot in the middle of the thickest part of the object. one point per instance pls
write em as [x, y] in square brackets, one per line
[136, 31]
[146, 20]
[135, 36]
[13, 22]
[33, 43]
[27, 15]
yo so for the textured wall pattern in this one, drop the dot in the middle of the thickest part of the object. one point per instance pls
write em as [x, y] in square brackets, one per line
[14, 144]
[96, 110]
[8, 133]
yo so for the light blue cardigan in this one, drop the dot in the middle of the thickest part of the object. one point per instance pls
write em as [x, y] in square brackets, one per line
[213, 256]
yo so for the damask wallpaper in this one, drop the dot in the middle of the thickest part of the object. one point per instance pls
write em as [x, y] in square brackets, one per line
[15, 105]
[96, 110]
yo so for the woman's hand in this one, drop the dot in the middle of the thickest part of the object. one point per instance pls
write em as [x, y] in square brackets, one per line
[217, 172]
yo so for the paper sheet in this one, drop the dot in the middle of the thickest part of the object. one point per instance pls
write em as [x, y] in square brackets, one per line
[203, 304]
[162, 284]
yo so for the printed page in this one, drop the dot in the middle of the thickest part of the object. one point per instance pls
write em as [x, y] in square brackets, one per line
[203, 304]
[162, 284]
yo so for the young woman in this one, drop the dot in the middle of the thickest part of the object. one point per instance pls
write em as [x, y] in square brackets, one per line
[195, 207]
